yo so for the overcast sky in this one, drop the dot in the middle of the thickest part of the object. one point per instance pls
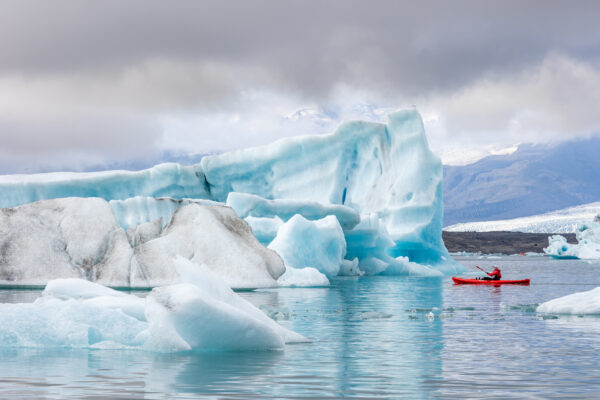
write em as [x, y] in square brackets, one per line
[88, 83]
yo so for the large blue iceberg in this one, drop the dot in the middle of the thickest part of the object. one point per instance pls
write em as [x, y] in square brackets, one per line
[381, 182]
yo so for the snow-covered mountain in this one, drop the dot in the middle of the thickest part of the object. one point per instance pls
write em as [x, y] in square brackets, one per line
[561, 221]
[533, 180]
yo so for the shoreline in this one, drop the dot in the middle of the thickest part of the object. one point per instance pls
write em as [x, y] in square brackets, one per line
[499, 242]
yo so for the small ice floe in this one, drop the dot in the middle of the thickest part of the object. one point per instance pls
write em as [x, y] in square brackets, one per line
[582, 303]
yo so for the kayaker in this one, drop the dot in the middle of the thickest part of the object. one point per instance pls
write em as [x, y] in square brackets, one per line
[495, 275]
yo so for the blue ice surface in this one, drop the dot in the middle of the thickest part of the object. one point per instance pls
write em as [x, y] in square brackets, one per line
[381, 171]
[319, 244]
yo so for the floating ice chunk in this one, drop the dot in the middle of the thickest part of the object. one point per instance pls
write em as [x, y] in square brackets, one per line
[576, 303]
[211, 235]
[587, 247]
[202, 315]
[96, 295]
[51, 322]
[302, 277]
[64, 289]
[319, 244]
[249, 205]
[182, 317]
[63, 238]
[558, 247]
[207, 314]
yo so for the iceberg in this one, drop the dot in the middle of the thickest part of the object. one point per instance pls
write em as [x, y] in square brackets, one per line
[210, 235]
[318, 244]
[587, 247]
[81, 238]
[63, 238]
[385, 170]
[382, 172]
[201, 314]
[581, 303]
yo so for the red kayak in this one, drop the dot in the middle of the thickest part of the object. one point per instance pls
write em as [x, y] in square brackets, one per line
[463, 281]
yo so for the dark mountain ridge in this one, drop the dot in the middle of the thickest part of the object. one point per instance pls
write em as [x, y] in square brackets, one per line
[534, 179]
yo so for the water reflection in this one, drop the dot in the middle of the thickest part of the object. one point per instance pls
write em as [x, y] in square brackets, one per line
[374, 337]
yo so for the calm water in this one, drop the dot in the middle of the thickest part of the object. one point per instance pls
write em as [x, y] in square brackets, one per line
[376, 337]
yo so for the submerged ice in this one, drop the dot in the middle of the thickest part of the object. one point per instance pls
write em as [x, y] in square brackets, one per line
[199, 314]
[380, 184]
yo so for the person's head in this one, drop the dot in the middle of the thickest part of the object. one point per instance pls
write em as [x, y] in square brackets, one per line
[496, 269]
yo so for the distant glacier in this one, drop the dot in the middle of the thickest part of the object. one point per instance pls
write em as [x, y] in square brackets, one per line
[562, 221]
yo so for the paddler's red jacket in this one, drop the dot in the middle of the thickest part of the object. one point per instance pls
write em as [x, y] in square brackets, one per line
[495, 274]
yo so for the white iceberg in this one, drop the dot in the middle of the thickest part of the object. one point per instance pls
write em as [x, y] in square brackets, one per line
[203, 314]
[587, 247]
[580, 303]
[210, 235]
[63, 238]
[80, 238]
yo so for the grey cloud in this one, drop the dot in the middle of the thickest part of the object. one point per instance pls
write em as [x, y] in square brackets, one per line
[305, 45]
[92, 80]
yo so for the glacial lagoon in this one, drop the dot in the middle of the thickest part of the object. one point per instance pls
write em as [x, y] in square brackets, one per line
[372, 337]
